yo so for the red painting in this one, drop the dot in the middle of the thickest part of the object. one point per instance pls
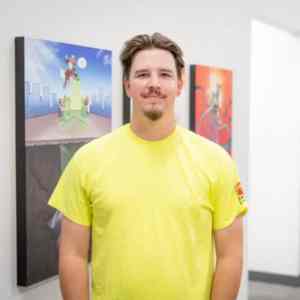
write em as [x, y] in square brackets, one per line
[212, 104]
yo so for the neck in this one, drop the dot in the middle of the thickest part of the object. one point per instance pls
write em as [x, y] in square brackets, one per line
[153, 130]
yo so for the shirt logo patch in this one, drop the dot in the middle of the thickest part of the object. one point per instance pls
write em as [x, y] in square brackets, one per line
[240, 192]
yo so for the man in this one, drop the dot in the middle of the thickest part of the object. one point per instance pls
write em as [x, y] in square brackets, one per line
[155, 197]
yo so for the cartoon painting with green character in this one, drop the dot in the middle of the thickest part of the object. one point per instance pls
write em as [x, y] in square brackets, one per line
[67, 92]
[67, 103]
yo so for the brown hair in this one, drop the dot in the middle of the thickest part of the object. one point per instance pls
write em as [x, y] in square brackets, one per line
[145, 41]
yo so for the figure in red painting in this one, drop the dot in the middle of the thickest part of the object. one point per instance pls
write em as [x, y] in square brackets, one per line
[213, 117]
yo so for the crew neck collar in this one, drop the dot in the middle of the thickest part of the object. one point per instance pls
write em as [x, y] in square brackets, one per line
[162, 141]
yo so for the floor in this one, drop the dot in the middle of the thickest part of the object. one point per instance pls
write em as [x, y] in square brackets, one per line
[49, 129]
[265, 291]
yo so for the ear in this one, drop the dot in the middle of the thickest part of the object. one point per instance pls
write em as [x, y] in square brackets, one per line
[127, 86]
[181, 82]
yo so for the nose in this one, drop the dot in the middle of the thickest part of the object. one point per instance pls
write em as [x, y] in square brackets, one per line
[153, 80]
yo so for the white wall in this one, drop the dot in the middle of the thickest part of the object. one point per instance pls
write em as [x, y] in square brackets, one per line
[274, 223]
[209, 34]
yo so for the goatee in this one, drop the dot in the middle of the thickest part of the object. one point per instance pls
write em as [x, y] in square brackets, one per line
[153, 115]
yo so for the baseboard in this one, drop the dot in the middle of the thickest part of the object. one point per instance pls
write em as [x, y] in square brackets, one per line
[274, 278]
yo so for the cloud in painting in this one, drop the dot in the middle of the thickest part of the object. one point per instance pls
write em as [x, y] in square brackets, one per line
[99, 53]
[107, 59]
[41, 59]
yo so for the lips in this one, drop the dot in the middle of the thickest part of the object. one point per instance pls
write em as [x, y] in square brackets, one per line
[154, 93]
[154, 96]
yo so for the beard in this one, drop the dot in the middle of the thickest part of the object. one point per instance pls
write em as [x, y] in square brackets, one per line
[153, 115]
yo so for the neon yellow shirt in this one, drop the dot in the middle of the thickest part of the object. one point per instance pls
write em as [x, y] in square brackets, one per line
[153, 207]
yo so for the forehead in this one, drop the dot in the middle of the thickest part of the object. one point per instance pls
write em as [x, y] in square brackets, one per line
[153, 59]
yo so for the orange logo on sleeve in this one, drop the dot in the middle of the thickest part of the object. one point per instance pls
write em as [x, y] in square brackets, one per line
[240, 192]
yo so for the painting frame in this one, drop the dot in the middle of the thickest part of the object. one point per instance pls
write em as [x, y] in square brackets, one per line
[126, 107]
[20, 163]
[192, 97]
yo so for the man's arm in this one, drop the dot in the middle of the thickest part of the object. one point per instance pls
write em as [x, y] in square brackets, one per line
[229, 252]
[73, 260]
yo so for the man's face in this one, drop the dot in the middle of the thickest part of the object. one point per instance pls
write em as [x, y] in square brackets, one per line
[153, 83]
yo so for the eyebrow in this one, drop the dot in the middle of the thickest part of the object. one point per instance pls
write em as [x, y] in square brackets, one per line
[141, 71]
[147, 70]
[166, 70]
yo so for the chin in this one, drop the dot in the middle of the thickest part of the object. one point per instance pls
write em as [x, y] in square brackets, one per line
[153, 115]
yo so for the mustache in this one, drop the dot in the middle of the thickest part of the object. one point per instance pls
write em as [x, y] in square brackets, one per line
[153, 92]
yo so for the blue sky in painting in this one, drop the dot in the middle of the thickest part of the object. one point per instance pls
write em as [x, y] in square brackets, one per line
[46, 61]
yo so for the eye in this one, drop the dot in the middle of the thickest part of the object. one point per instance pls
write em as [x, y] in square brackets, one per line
[142, 75]
[165, 74]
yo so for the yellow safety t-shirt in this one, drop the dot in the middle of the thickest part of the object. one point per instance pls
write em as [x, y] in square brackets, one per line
[153, 207]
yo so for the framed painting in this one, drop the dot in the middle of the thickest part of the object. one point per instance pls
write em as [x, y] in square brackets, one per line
[211, 104]
[63, 100]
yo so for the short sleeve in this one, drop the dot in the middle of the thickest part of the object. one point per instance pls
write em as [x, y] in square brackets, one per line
[228, 197]
[70, 196]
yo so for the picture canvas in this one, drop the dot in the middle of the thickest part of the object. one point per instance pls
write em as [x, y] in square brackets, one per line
[63, 100]
[211, 104]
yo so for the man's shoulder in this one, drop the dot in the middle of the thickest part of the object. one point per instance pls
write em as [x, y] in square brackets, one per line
[200, 141]
[204, 147]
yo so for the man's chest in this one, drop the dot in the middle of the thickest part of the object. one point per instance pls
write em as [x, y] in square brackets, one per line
[142, 184]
